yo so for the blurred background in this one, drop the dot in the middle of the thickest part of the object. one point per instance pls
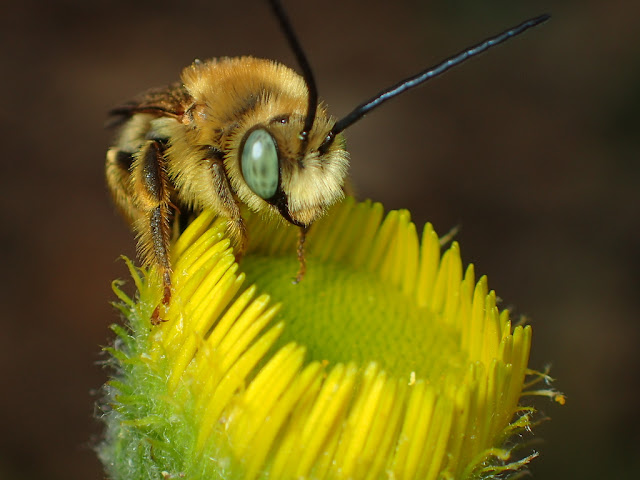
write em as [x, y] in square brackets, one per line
[533, 149]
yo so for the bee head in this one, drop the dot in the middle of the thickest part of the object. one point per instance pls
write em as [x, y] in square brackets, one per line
[297, 162]
[299, 176]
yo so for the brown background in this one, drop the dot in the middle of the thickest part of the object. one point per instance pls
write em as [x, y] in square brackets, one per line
[532, 148]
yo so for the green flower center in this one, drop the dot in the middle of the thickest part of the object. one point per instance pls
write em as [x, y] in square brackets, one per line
[342, 315]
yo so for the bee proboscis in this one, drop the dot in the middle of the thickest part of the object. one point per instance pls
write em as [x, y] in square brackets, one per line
[236, 131]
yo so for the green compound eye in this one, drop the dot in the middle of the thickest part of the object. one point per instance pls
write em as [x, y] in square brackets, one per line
[259, 162]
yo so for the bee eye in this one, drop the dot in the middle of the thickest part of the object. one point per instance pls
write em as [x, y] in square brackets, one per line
[259, 162]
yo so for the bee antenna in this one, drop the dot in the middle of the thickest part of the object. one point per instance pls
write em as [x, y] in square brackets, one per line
[431, 72]
[307, 74]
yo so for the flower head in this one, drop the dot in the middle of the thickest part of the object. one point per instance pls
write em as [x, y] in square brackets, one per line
[387, 361]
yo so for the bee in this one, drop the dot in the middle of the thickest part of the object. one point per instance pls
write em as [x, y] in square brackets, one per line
[239, 131]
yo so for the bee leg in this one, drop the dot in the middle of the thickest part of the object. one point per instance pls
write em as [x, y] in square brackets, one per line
[302, 237]
[228, 207]
[152, 195]
[238, 232]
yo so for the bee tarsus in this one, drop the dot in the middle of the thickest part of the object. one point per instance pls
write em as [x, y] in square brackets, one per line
[302, 262]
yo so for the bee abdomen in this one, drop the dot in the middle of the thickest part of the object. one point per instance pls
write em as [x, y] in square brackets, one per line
[122, 159]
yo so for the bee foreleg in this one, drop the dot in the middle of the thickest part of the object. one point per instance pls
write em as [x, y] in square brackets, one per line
[230, 209]
[152, 197]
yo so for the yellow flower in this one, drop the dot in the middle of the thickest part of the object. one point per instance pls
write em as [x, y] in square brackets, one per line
[388, 361]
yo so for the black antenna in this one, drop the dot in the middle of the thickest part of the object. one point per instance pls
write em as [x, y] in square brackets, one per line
[307, 74]
[431, 72]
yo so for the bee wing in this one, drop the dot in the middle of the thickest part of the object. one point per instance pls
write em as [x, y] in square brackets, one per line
[170, 101]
